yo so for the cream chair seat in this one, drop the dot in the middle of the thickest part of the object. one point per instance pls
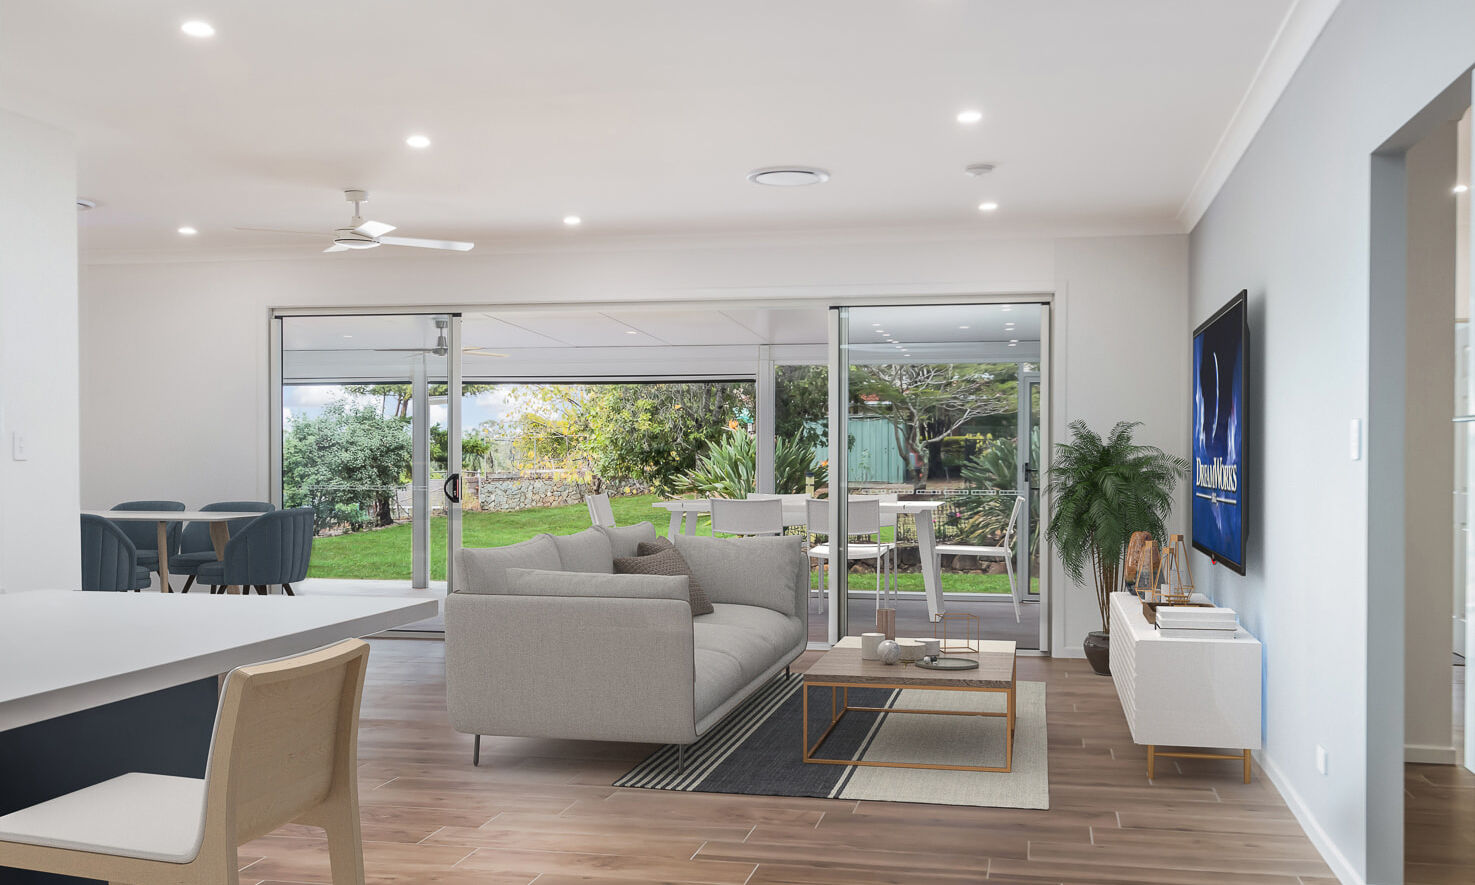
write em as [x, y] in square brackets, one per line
[285, 750]
[147, 816]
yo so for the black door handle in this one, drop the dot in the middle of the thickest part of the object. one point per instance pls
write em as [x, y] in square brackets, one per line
[452, 488]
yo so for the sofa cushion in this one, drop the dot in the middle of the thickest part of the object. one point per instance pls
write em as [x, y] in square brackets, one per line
[586, 551]
[537, 582]
[624, 540]
[484, 569]
[747, 571]
[667, 562]
[718, 678]
[646, 548]
[778, 633]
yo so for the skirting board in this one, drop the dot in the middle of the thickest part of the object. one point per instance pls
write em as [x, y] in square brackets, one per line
[1341, 867]
[1070, 651]
[1428, 754]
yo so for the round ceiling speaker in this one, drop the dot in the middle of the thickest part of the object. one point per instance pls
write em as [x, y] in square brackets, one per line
[788, 176]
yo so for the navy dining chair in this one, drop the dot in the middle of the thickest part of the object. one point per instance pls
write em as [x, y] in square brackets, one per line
[275, 548]
[145, 535]
[196, 547]
[109, 560]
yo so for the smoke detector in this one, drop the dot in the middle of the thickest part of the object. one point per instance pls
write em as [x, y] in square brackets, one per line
[84, 205]
[788, 176]
[976, 170]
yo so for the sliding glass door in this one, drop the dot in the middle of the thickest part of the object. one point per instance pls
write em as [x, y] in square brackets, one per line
[369, 437]
[941, 407]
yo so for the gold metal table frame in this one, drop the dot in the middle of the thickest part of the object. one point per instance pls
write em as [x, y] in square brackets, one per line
[840, 705]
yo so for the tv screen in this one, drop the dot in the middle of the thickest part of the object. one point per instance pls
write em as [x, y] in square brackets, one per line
[1220, 354]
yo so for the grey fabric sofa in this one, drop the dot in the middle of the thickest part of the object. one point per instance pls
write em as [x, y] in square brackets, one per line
[543, 640]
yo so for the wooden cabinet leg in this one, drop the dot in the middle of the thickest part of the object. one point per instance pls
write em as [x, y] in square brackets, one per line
[1151, 754]
[1247, 766]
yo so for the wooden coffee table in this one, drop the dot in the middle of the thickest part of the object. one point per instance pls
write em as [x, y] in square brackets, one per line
[841, 669]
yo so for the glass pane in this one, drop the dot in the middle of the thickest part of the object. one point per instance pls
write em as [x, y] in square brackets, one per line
[943, 416]
[348, 445]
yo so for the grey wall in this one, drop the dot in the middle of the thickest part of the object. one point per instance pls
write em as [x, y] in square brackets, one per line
[1293, 226]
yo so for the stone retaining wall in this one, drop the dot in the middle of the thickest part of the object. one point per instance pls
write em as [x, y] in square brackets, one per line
[503, 493]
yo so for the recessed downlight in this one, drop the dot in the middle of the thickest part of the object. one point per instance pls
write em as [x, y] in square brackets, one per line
[1460, 188]
[198, 29]
[1006, 308]
[962, 327]
[187, 231]
[631, 332]
[970, 116]
[1013, 343]
[1013, 340]
[788, 176]
[418, 141]
[988, 206]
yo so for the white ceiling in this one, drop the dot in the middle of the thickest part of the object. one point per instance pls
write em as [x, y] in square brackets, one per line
[641, 116]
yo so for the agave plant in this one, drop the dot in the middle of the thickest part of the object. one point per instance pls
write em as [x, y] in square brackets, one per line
[727, 468]
[1101, 491]
[983, 519]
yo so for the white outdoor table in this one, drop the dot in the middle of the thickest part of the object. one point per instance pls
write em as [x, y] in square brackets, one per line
[94, 685]
[795, 515]
[219, 529]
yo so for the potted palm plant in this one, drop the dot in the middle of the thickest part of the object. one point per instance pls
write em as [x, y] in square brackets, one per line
[1101, 491]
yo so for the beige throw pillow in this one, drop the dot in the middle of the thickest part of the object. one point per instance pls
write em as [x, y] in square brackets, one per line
[667, 561]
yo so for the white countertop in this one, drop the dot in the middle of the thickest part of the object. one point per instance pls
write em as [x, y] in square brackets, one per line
[64, 651]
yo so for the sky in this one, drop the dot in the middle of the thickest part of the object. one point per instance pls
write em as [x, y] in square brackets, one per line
[308, 400]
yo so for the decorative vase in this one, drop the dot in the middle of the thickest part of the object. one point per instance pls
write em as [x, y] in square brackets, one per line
[868, 643]
[888, 652]
[1098, 651]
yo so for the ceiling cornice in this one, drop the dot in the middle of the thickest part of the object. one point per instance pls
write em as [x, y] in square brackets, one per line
[1298, 31]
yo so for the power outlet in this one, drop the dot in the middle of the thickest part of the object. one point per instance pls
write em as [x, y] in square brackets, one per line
[1321, 758]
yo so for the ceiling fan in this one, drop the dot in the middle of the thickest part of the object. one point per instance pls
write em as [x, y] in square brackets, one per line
[442, 344]
[361, 234]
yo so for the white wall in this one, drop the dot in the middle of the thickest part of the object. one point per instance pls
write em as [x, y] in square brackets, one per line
[193, 336]
[1293, 226]
[38, 356]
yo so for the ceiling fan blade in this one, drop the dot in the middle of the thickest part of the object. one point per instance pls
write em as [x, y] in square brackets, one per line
[273, 230]
[453, 245]
[336, 248]
[374, 228]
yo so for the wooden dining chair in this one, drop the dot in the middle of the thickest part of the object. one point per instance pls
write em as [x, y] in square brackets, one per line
[285, 750]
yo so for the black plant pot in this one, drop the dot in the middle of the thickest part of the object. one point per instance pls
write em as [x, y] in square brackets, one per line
[1098, 651]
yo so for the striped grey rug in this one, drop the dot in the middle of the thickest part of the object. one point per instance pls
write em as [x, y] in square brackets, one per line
[756, 750]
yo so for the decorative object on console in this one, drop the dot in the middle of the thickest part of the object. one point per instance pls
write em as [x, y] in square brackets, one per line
[868, 644]
[1144, 575]
[888, 652]
[911, 650]
[1175, 573]
[932, 647]
[1132, 565]
[1101, 490]
[1196, 622]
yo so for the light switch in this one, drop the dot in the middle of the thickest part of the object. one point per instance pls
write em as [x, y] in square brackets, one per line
[18, 450]
[1321, 758]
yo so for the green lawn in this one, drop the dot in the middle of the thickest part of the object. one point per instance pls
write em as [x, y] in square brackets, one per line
[385, 553]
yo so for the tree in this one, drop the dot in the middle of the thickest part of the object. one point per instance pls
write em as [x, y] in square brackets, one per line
[926, 403]
[473, 446]
[403, 394]
[802, 405]
[346, 464]
[604, 432]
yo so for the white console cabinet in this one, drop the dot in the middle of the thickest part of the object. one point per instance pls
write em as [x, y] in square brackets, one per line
[1185, 693]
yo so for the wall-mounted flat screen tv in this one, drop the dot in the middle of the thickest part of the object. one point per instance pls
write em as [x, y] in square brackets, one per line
[1220, 384]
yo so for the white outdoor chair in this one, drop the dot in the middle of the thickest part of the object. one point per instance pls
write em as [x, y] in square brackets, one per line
[863, 520]
[600, 511]
[285, 750]
[749, 517]
[1004, 552]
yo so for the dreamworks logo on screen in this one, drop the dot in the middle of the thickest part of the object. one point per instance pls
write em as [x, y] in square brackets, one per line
[1217, 477]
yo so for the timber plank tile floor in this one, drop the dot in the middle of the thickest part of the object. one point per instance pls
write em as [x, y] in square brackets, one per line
[544, 811]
